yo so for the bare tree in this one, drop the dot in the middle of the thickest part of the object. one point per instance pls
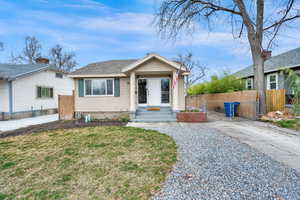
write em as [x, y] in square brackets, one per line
[30, 52]
[248, 17]
[197, 71]
[62, 60]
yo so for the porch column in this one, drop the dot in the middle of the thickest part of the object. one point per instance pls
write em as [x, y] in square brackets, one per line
[132, 92]
[175, 93]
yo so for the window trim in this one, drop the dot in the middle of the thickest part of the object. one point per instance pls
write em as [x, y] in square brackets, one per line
[41, 93]
[246, 83]
[100, 95]
[268, 81]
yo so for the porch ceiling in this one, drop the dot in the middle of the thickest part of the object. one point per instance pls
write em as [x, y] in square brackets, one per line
[154, 73]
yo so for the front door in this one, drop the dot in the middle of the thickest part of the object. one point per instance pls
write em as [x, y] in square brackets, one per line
[154, 92]
[154, 89]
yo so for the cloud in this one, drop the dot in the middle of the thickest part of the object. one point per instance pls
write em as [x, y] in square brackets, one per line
[121, 22]
[85, 4]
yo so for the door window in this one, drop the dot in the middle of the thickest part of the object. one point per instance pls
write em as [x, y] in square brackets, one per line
[165, 90]
[142, 88]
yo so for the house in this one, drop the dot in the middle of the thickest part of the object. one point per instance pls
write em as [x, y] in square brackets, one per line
[135, 88]
[275, 78]
[31, 89]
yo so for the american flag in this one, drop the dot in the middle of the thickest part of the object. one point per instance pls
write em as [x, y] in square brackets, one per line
[175, 79]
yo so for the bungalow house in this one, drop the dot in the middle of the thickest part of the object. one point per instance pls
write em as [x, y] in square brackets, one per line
[31, 89]
[139, 88]
[275, 78]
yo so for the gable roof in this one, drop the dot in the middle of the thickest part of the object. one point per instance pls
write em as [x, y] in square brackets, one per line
[150, 56]
[289, 59]
[14, 71]
[117, 68]
[106, 68]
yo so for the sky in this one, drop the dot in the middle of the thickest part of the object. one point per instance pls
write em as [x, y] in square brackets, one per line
[98, 30]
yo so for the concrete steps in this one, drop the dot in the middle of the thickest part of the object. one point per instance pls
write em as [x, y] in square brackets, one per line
[165, 114]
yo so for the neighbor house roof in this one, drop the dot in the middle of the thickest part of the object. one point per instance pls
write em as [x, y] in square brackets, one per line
[14, 71]
[118, 68]
[289, 59]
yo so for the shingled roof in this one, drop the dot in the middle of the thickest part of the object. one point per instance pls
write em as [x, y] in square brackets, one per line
[105, 68]
[289, 59]
[13, 71]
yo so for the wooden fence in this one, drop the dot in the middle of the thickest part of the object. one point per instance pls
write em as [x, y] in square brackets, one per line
[248, 102]
[275, 100]
[66, 107]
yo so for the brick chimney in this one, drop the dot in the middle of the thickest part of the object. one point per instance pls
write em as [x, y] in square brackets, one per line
[266, 54]
[42, 60]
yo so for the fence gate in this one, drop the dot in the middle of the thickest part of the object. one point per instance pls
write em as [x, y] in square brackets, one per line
[275, 100]
[66, 107]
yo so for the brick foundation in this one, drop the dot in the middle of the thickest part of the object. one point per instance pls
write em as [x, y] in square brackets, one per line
[103, 115]
[26, 114]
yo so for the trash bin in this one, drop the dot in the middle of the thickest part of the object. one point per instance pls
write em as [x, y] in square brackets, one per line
[230, 108]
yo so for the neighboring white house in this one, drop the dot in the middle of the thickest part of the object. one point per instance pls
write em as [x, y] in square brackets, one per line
[31, 89]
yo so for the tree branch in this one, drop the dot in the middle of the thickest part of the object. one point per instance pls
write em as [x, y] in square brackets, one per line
[215, 7]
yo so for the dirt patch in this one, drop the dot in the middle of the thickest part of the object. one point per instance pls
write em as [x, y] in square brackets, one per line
[59, 125]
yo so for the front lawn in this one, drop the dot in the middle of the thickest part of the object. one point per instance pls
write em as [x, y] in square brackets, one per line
[85, 163]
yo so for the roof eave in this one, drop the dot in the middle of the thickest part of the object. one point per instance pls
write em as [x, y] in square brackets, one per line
[96, 75]
[272, 70]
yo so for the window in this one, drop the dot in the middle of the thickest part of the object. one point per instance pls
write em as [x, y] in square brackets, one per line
[99, 87]
[249, 84]
[44, 92]
[272, 81]
[59, 75]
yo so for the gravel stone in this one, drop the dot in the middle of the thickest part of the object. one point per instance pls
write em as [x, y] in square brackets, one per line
[214, 166]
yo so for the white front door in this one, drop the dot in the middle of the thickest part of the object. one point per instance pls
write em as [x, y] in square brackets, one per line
[154, 91]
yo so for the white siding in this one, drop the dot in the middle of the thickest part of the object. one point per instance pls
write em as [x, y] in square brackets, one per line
[25, 91]
[4, 96]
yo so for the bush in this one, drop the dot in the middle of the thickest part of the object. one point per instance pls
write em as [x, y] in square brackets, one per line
[225, 83]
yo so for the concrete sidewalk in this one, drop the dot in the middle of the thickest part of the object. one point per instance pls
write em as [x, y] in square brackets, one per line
[21, 123]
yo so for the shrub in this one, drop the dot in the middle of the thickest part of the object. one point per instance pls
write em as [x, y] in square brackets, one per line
[222, 84]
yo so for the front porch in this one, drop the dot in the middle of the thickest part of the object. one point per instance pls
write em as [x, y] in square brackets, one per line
[158, 114]
[153, 97]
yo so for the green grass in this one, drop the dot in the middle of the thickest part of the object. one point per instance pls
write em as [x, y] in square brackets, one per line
[87, 163]
[292, 124]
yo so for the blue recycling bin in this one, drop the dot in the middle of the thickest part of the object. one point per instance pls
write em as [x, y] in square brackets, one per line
[230, 108]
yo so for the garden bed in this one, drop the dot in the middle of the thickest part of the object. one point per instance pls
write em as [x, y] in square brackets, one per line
[60, 125]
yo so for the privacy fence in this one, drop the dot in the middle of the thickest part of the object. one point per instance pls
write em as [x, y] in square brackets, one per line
[248, 102]
[66, 107]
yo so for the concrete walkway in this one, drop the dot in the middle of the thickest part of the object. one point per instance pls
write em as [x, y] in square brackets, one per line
[21, 123]
[281, 144]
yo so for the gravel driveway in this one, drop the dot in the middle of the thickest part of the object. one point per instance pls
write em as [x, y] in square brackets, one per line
[214, 166]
